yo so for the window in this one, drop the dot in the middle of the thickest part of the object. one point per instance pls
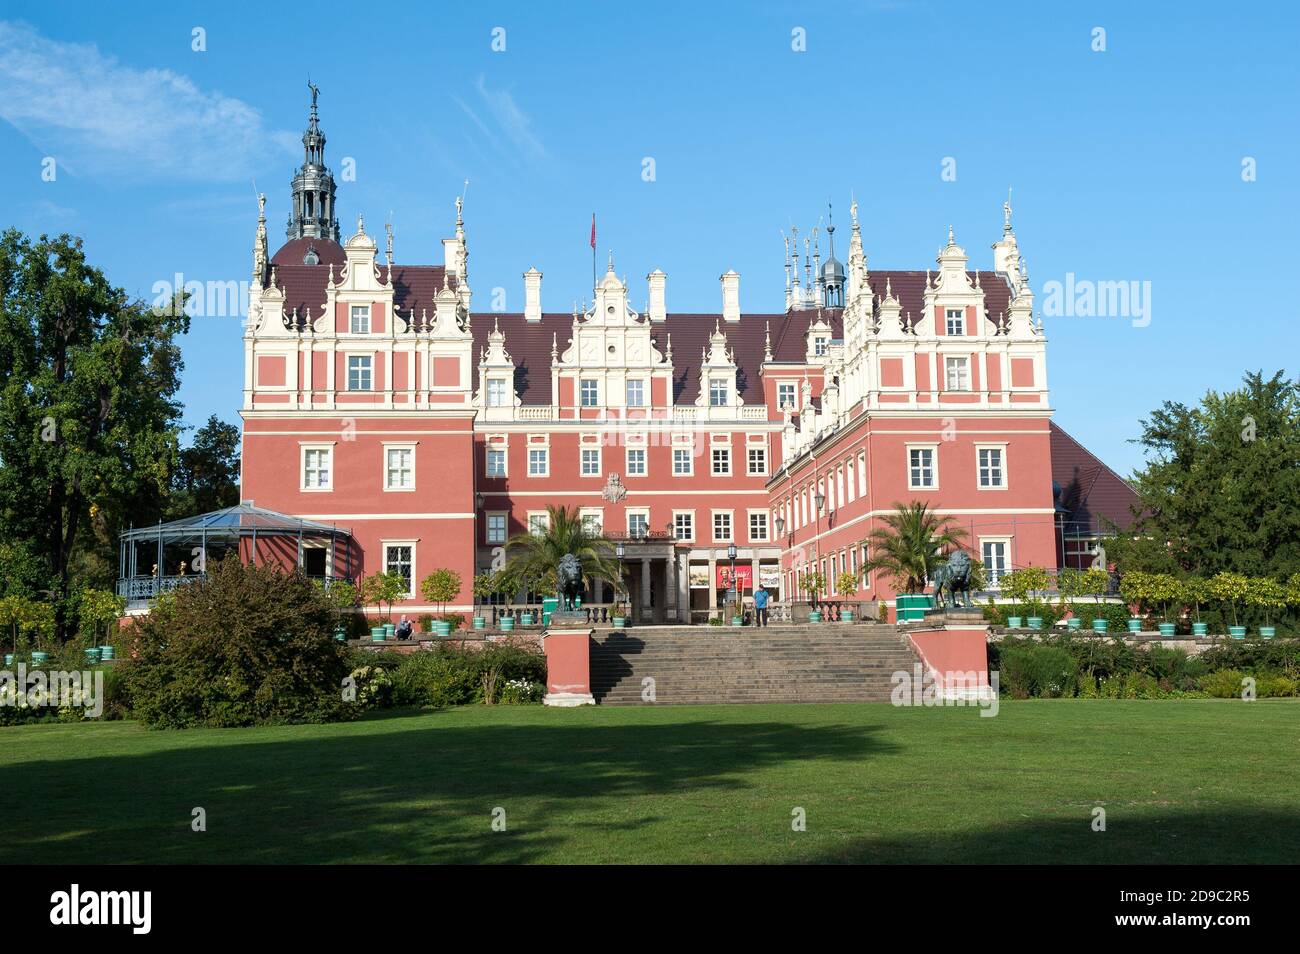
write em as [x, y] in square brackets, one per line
[992, 474]
[590, 392]
[496, 528]
[399, 468]
[995, 560]
[496, 462]
[957, 374]
[718, 392]
[722, 525]
[820, 344]
[591, 462]
[636, 393]
[496, 392]
[684, 525]
[757, 460]
[785, 394]
[537, 524]
[635, 462]
[398, 559]
[316, 468]
[721, 461]
[638, 522]
[681, 461]
[758, 526]
[955, 323]
[592, 521]
[359, 372]
[538, 464]
[360, 324]
[921, 468]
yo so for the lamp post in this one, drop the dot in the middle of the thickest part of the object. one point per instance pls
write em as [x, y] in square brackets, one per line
[619, 551]
[735, 589]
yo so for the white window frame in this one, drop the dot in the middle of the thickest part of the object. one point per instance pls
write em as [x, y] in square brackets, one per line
[582, 392]
[627, 392]
[689, 454]
[582, 461]
[934, 467]
[719, 392]
[990, 574]
[959, 316]
[793, 398]
[645, 462]
[388, 447]
[487, 526]
[766, 536]
[545, 458]
[961, 363]
[325, 447]
[369, 359]
[731, 525]
[538, 520]
[1002, 466]
[749, 461]
[385, 544]
[713, 461]
[488, 451]
[690, 525]
[644, 514]
[352, 319]
[498, 392]
[593, 516]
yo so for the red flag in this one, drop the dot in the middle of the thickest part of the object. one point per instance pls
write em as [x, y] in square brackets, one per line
[593, 231]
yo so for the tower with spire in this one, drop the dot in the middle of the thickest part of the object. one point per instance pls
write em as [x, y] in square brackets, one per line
[832, 273]
[312, 213]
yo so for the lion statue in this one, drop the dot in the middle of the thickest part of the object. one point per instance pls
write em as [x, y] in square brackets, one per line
[953, 576]
[568, 581]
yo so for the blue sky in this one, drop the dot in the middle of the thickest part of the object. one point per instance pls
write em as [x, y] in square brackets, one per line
[1127, 163]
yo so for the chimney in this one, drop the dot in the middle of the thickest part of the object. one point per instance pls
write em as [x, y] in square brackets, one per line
[532, 295]
[730, 296]
[658, 280]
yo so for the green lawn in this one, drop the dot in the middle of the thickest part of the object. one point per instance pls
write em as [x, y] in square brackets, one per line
[1181, 781]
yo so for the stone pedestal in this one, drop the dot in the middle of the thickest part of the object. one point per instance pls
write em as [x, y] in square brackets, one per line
[568, 666]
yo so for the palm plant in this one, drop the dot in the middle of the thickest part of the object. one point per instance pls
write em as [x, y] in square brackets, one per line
[911, 544]
[533, 557]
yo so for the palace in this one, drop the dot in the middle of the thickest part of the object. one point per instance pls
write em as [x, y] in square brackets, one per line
[378, 401]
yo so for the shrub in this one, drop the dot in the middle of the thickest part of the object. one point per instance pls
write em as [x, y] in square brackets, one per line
[1224, 684]
[1037, 670]
[1275, 686]
[450, 676]
[997, 613]
[373, 687]
[522, 692]
[246, 645]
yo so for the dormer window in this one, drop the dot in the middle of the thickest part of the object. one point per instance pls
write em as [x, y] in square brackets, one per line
[496, 392]
[718, 392]
[956, 322]
[360, 320]
[820, 344]
[785, 394]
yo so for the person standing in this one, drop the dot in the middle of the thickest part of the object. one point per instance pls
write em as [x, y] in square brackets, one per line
[760, 607]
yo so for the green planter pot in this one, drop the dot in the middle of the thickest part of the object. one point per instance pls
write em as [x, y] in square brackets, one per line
[480, 622]
[1013, 622]
[92, 655]
[1035, 622]
[441, 627]
[39, 658]
[1237, 632]
[1135, 625]
[847, 616]
[815, 616]
[9, 659]
[340, 634]
[1101, 625]
[378, 634]
[390, 630]
[1166, 629]
[525, 619]
[1267, 632]
[507, 623]
[106, 653]
[737, 621]
[1074, 623]
[1200, 629]
[620, 622]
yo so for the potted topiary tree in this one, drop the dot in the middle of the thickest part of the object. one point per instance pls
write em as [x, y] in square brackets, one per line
[1021, 585]
[813, 584]
[97, 611]
[1136, 588]
[486, 586]
[342, 597]
[383, 589]
[1164, 589]
[441, 587]
[846, 583]
[1194, 592]
[1231, 588]
[1069, 584]
[1097, 582]
[1269, 595]
[13, 613]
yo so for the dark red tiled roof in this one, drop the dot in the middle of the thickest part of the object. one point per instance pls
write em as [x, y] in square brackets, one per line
[292, 253]
[1092, 495]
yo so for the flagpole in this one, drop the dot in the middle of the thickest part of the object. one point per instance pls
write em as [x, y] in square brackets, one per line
[593, 253]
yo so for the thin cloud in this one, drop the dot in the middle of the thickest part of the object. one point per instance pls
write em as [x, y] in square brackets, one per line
[96, 115]
[509, 131]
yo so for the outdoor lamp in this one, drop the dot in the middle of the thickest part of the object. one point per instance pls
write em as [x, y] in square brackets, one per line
[780, 526]
[731, 551]
[820, 501]
[619, 550]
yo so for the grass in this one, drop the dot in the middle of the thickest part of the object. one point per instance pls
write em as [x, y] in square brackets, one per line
[1180, 781]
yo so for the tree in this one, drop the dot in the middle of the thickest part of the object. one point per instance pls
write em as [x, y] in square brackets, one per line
[97, 610]
[88, 420]
[207, 473]
[441, 587]
[1231, 588]
[911, 544]
[534, 556]
[383, 589]
[1221, 487]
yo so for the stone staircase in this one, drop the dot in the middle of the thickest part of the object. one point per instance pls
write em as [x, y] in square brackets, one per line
[705, 664]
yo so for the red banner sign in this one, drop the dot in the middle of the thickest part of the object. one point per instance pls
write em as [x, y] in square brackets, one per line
[744, 576]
